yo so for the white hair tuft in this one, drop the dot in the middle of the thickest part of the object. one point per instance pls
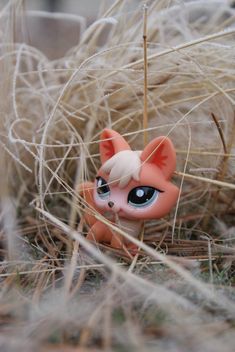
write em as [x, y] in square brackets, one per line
[122, 167]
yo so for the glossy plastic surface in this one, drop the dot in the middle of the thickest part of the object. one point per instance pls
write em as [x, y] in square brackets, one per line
[131, 187]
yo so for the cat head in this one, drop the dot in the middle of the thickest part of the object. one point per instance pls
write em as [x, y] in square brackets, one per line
[135, 184]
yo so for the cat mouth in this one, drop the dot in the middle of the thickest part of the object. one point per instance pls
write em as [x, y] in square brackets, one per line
[118, 212]
[121, 213]
[109, 213]
[113, 212]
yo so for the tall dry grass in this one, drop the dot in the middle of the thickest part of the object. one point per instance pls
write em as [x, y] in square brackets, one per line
[58, 291]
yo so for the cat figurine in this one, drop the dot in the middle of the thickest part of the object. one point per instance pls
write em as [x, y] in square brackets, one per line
[130, 187]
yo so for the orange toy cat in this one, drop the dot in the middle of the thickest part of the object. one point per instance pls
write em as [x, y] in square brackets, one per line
[130, 187]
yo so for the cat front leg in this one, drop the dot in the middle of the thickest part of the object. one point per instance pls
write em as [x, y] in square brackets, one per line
[117, 240]
[99, 232]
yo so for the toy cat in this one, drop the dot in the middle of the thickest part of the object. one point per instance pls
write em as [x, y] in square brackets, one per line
[130, 187]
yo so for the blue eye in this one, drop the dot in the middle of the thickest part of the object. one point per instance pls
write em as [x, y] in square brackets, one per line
[142, 196]
[102, 188]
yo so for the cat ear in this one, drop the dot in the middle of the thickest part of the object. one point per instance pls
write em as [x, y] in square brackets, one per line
[161, 152]
[111, 143]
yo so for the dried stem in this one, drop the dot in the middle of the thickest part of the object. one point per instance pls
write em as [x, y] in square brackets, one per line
[145, 115]
[220, 132]
[222, 171]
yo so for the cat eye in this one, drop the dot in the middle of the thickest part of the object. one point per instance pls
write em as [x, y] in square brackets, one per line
[142, 196]
[102, 188]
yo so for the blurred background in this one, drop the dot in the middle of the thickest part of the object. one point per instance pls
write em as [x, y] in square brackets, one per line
[86, 8]
[53, 34]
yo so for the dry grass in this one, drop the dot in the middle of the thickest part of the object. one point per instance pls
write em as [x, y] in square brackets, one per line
[59, 292]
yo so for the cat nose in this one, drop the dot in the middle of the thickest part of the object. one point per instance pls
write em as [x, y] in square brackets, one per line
[110, 204]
